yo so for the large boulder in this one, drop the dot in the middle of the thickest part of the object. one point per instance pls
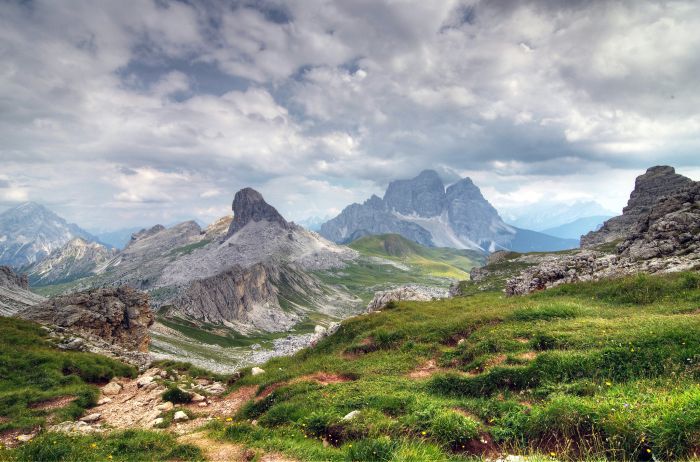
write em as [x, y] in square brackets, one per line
[119, 316]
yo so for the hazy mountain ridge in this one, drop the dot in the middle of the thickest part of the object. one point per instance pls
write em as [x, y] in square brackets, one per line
[29, 232]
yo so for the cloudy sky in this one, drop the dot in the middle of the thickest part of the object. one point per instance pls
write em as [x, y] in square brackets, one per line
[122, 113]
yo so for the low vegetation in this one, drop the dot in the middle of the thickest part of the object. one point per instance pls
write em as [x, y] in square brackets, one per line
[40, 384]
[605, 370]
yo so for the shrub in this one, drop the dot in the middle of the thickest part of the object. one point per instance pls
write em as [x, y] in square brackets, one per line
[281, 414]
[176, 395]
[374, 449]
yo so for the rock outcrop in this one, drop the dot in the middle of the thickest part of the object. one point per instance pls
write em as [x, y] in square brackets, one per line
[422, 210]
[30, 232]
[249, 205]
[657, 183]
[660, 234]
[118, 316]
[409, 292]
[14, 292]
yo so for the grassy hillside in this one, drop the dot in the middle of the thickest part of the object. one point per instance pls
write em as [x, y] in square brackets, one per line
[41, 385]
[585, 371]
[431, 261]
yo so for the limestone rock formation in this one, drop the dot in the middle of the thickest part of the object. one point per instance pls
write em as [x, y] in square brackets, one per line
[249, 205]
[660, 234]
[649, 188]
[408, 292]
[119, 316]
[422, 210]
[14, 292]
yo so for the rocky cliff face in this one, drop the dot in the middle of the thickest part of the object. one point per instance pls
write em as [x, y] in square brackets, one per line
[119, 316]
[78, 258]
[657, 183]
[662, 236]
[422, 210]
[249, 205]
[30, 232]
[14, 292]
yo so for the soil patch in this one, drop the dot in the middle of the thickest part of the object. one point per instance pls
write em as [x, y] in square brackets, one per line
[54, 403]
[426, 370]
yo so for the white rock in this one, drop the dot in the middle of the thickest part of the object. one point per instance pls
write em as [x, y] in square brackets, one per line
[257, 371]
[111, 389]
[203, 404]
[24, 438]
[351, 415]
[91, 417]
[319, 330]
[143, 381]
[163, 374]
[165, 407]
[197, 398]
[461, 342]
[104, 401]
[180, 417]
[157, 422]
[216, 388]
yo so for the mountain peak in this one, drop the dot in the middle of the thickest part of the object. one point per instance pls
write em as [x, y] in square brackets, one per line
[423, 195]
[249, 205]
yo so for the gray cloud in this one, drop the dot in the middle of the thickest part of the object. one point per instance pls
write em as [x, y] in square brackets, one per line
[123, 113]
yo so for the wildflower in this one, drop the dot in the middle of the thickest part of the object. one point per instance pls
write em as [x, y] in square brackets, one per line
[229, 419]
[110, 457]
[552, 454]
[93, 445]
[423, 433]
[648, 450]
[608, 384]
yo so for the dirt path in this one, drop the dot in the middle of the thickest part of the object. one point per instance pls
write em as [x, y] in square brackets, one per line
[219, 451]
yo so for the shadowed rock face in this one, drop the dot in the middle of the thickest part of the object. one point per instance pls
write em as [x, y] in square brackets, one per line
[8, 278]
[649, 188]
[14, 292]
[119, 316]
[249, 205]
[423, 195]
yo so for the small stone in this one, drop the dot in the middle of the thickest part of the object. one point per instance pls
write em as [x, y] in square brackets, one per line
[163, 374]
[104, 401]
[461, 342]
[24, 438]
[257, 371]
[151, 386]
[157, 422]
[143, 381]
[165, 407]
[254, 423]
[203, 404]
[351, 415]
[197, 398]
[91, 418]
[216, 388]
[180, 417]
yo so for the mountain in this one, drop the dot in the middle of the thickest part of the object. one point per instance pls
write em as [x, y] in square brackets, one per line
[30, 232]
[577, 228]
[655, 184]
[422, 210]
[544, 215]
[14, 292]
[77, 259]
[312, 223]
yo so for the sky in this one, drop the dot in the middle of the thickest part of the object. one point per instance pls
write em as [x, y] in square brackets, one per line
[128, 113]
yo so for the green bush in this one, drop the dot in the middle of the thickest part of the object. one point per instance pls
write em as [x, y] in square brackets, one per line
[453, 430]
[176, 395]
[373, 449]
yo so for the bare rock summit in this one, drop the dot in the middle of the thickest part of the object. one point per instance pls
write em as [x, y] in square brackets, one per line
[249, 205]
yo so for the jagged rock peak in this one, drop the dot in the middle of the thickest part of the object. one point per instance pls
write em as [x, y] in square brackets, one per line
[249, 205]
[147, 232]
[423, 195]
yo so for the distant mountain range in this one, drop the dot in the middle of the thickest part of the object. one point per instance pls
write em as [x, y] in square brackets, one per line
[578, 227]
[422, 210]
[29, 232]
[543, 215]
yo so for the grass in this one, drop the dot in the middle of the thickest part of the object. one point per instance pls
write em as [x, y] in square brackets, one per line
[431, 261]
[33, 371]
[130, 445]
[604, 370]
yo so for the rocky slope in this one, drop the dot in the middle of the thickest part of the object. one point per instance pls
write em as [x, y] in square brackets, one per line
[659, 231]
[30, 232]
[421, 209]
[14, 292]
[649, 188]
[78, 258]
[111, 320]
